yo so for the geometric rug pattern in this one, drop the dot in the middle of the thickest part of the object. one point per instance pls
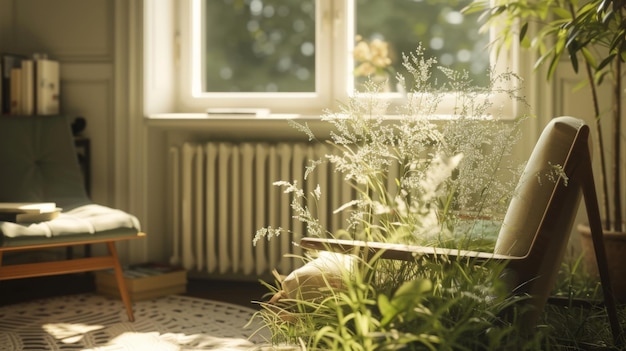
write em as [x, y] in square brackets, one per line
[96, 322]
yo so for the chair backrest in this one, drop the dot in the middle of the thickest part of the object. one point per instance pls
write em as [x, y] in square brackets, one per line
[539, 220]
[39, 161]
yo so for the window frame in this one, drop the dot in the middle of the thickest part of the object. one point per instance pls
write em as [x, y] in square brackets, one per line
[333, 56]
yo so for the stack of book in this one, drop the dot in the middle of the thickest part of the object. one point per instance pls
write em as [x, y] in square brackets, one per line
[29, 85]
[144, 281]
[28, 212]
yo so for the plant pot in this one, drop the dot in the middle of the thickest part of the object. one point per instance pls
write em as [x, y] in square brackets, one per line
[615, 246]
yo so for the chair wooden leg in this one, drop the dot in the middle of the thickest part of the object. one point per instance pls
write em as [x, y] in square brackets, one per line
[595, 224]
[121, 284]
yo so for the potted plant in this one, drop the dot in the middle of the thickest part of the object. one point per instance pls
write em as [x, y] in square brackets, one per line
[590, 35]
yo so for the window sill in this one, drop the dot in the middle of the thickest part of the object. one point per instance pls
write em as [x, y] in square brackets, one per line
[229, 126]
[267, 127]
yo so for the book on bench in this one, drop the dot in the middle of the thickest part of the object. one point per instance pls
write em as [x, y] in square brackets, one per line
[28, 211]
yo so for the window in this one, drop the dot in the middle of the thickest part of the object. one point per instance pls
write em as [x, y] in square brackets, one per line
[301, 56]
[258, 46]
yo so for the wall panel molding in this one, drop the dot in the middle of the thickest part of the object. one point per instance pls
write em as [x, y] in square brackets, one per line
[88, 90]
[67, 30]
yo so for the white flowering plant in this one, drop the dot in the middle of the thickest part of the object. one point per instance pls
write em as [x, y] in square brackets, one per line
[420, 179]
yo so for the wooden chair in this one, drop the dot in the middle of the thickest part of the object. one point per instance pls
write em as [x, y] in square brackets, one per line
[536, 227]
[40, 164]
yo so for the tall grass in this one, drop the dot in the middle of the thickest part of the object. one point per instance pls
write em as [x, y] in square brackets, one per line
[450, 192]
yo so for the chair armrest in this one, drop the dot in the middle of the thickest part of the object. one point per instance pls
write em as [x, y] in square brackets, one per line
[397, 251]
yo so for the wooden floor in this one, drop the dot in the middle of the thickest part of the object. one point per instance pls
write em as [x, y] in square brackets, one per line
[19, 290]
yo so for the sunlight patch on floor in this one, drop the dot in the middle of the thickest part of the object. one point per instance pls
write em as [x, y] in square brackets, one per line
[154, 341]
[69, 333]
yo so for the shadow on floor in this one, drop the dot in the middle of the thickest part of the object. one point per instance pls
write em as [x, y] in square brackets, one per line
[19, 290]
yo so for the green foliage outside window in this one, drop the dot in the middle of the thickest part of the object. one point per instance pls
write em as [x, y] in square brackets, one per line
[269, 45]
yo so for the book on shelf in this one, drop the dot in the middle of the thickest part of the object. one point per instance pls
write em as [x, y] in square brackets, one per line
[46, 86]
[29, 85]
[16, 91]
[28, 88]
[7, 63]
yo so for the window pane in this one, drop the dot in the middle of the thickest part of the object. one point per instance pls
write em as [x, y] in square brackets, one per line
[259, 46]
[387, 29]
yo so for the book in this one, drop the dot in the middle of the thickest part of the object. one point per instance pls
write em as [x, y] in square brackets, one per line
[47, 86]
[27, 207]
[7, 63]
[28, 89]
[30, 212]
[29, 217]
[144, 281]
[16, 91]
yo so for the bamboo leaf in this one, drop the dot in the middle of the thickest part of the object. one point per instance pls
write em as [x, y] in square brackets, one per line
[607, 61]
[552, 68]
[559, 45]
[523, 31]
[618, 41]
[589, 58]
[608, 16]
[599, 77]
[583, 83]
[573, 58]
[561, 12]
[541, 60]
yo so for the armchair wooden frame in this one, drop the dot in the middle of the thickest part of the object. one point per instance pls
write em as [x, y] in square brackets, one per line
[533, 266]
[76, 265]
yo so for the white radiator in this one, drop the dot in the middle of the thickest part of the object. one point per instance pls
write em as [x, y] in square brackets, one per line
[223, 193]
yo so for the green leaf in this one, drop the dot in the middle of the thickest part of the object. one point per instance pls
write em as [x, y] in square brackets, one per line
[599, 77]
[608, 16]
[606, 61]
[583, 83]
[525, 43]
[589, 58]
[410, 293]
[387, 310]
[604, 4]
[573, 58]
[552, 67]
[523, 31]
[561, 13]
[541, 60]
[618, 41]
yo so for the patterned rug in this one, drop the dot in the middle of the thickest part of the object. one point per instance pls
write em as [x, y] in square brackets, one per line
[95, 322]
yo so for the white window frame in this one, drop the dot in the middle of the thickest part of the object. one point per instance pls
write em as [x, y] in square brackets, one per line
[333, 57]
